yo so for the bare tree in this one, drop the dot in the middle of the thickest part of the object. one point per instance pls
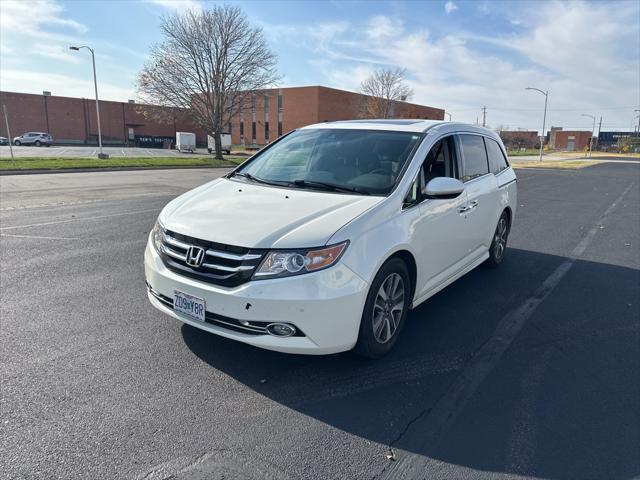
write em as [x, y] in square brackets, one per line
[207, 64]
[383, 88]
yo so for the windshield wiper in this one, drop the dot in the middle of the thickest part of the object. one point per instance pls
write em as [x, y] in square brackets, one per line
[248, 176]
[328, 186]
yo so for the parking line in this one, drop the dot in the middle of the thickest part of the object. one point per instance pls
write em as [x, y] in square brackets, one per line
[39, 237]
[430, 426]
[77, 219]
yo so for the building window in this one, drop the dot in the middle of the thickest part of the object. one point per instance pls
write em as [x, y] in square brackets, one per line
[241, 128]
[279, 103]
[266, 104]
[279, 129]
[253, 132]
[266, 131]
[253, 104]
[229, 128]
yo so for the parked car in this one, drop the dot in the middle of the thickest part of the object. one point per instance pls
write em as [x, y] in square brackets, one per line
[4, 141]
[325, 239]
[33, 138]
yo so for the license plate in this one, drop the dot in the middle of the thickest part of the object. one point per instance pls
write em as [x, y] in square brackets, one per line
[189, 305]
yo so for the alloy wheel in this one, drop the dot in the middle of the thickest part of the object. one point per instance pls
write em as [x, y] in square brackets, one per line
[500, 239]
[388, 308]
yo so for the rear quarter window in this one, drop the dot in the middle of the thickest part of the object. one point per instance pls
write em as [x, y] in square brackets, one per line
[497, 160]
[474, 156]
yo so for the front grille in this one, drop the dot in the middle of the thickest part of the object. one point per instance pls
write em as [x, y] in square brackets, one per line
[250, 328]
[225, 265]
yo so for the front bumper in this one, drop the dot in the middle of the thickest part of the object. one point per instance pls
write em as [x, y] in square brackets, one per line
[326, 306]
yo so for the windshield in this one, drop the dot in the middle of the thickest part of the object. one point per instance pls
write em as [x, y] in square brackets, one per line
[360, 161]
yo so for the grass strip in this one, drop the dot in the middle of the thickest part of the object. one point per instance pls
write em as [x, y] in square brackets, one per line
[44, 163]
[561, 164]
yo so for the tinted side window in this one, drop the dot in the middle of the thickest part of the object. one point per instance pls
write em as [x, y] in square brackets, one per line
[497, 161]
[474, 156]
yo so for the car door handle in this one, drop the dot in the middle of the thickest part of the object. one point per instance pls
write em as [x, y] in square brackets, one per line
[468, 207]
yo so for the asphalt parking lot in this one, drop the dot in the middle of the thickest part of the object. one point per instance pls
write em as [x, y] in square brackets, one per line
[92, 151]
[527, 371]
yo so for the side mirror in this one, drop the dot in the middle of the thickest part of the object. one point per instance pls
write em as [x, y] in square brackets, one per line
[443, 187]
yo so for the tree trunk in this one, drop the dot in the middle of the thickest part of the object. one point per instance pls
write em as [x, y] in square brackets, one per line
[218, 141]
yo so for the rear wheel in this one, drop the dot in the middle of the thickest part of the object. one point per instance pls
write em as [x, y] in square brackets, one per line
[385, 310]
[499, 243]
[17, 143]
[38, 143]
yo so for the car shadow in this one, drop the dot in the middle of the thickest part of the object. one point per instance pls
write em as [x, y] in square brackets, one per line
[562, 402]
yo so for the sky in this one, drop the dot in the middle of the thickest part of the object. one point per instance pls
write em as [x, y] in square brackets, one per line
[458, 55]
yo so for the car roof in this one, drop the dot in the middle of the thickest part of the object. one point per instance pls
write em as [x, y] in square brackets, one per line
[403, 125]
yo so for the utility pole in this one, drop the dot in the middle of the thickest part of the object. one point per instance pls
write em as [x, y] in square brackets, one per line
[593, 127]
[6, 122]
[544, 117]
[484, 115]
[599, 129]
[95, 85]
[636, 110]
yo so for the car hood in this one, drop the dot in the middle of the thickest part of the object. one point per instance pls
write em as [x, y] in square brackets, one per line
[257, 216]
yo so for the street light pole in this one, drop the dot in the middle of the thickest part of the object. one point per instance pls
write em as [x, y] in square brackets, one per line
[638, 121]
[593, 127]
[544, 117]
[447, 113]
[95, 86]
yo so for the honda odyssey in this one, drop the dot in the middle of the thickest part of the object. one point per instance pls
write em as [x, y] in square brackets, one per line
[325, 239]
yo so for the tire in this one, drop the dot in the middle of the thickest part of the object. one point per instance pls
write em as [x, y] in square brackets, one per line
[498, 246]
[38, 143]
[209, 150]
[377, 334]
[17, 143]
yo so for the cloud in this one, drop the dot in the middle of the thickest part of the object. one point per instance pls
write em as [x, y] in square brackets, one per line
[450, 7]
[381, 26]
[64, 85]
[30, 18]
[47, 33]
[578, 52]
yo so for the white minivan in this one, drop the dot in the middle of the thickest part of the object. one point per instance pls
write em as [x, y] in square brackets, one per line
[325, 239]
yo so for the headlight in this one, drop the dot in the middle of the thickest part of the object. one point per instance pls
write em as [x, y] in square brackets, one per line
[282, 263]
[158, 233]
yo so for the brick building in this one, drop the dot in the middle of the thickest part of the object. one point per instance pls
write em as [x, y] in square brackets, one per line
[572, 140]
[264, 118]
[73, 120]
[276, 111]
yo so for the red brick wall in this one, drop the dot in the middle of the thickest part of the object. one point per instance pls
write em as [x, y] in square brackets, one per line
[74, 119]
[342, 105]
[581, 139]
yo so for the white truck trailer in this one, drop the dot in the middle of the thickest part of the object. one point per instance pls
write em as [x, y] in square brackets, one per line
[185, 142]
[226, 143]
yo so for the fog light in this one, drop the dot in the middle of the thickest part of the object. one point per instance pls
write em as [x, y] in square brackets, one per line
[281, 329]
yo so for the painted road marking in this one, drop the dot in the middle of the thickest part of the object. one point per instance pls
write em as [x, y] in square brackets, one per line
[429, 427]
[78, 219]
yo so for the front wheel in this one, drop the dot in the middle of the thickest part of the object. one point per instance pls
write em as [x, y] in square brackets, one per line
[38, 143]
[17, 143]
[385, 310]
[499, 243]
